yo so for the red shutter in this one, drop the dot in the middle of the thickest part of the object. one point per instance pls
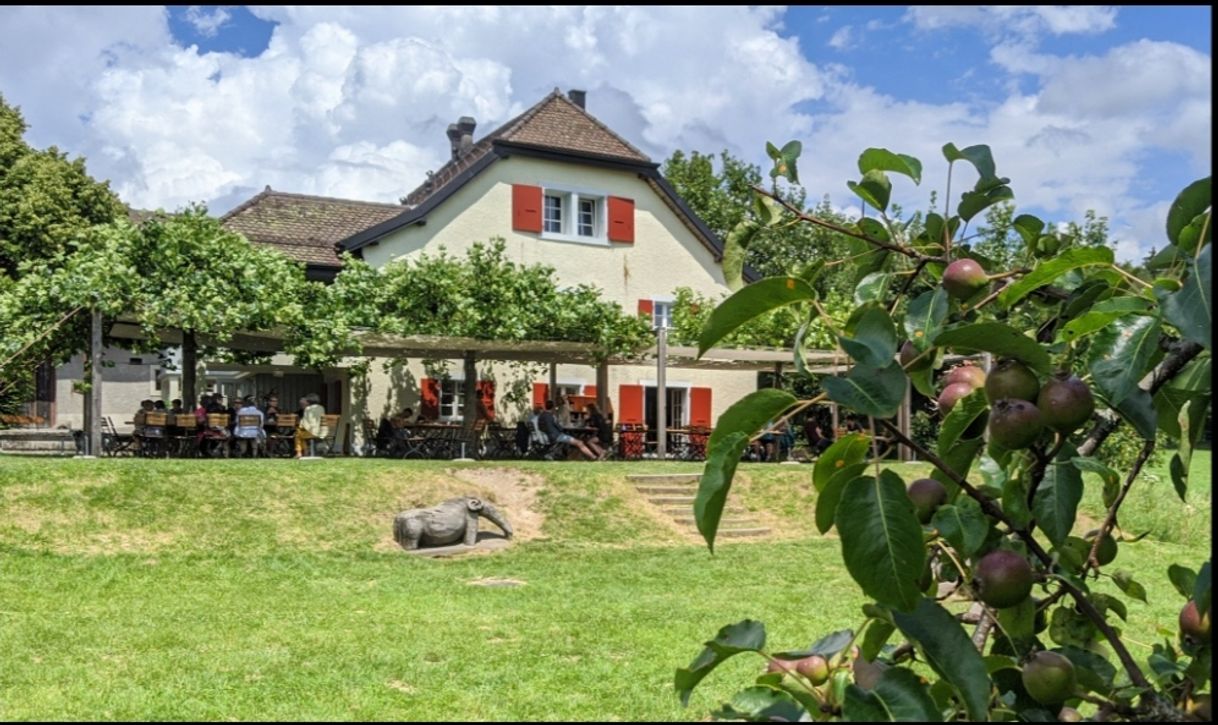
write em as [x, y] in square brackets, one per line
[486, 393]
[526, 208]
[700, 407]
[630, 404]
[590, 391]
[540, 392]
[646, 307]
[429, 398]
[621, 220]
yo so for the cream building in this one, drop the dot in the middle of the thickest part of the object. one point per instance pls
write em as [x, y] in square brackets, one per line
[563, 190]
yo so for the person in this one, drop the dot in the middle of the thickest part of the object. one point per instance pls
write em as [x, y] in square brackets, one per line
[216, 434]
[139, 421]
[312, 422]
[548, 424]
[853, 425]
[159, 407]
[817, 440]
[176, 407]
[604, 431]
[563, 411]
[249, 437]
[769, 442]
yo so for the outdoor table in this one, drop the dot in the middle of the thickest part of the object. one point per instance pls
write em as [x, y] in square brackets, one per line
[442, 440]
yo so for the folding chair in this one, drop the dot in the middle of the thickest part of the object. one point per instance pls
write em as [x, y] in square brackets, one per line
[329, 427]
[256, 444]
[282, 441]
[186, 435]
[632, 441]
[152, 439]
[540, 445]
[113, 442]
[215, 436]
[368, 447]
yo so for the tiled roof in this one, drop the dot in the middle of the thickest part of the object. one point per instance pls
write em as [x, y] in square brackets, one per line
[556, 124]
[306, 228]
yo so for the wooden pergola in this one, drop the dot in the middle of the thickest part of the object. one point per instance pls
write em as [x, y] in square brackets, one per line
[553, 353]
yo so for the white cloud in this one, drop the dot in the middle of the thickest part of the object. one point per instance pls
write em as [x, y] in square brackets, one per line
[207, 23]
[1015, 19]
[842, 39]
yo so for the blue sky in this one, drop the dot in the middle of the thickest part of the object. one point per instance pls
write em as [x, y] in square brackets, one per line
[1085, 107]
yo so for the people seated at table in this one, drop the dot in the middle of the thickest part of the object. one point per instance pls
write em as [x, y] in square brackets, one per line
[549, 425]
[270, 411]
[562, 411]
[213, 439]
[818, 441]
[249, 438]
[312, 422]
[603, 442]
[175, 407]
[159, 407]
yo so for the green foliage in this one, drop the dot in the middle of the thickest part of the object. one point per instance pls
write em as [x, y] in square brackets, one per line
[1055, 302]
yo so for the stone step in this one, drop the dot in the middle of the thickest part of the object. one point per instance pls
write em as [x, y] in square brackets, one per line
[663, 478]
[668, 490]
[735, 522]
[742, 533]
[671, 500]
[687, 510]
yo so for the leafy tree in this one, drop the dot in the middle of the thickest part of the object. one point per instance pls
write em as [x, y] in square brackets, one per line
[1085, 348]
[45, 199]
[724, 199]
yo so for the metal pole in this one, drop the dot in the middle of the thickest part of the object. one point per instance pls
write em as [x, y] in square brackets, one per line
[95, 396]
[661, 392]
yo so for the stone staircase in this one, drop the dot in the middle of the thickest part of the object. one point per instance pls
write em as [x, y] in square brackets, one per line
[674, 493]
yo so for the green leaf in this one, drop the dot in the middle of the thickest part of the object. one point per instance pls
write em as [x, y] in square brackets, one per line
[962, 415]
[761, 704]
[1050, 269]
[1100, 315]
[1092, 671]
[885, 160]
[1106, 603]
[1125, 582]
[950, 652]
[872, 288]
[1191, 309]
[1121, 355]
[750, 414]
[1183, 579]
[845, 451]
[1195, 199]
[959, 458]
[1139, 410]
[735, 247]
[867, 391]
[1091, 465]
[999, 339]
[744, 636]
[963, 525]
[1029, 228]
[826, 503]
[925, 315]
[874, 188]
[981, 159]
[898, 696]
[1056, 501]
[974, 202]
[750, 303]
[874, 341]
[1201, 589]
[721, 461]
[877, 634]
[881, 539]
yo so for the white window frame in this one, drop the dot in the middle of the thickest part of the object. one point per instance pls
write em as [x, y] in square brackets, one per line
[682, 388]
[457, 406]
[569, 215]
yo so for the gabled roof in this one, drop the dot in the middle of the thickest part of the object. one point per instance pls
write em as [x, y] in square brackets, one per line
[305, 228]
[558, 129]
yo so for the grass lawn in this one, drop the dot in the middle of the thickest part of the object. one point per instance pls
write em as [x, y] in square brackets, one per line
[272, 590]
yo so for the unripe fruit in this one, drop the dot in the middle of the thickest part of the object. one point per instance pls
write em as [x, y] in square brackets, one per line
[815, 668]
[927, 495]
[964, 278]
[965, 373]
[951, 394]
[909, 354]
[1069, 714]
[1015, 424]
[1048, 677]
[1011, 380]
[1193, 624]
[1065, 402]
[1108, 547]
[1002, 579]
[780, 665]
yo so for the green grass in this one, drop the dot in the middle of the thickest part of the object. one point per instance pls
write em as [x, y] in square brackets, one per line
[272, 590]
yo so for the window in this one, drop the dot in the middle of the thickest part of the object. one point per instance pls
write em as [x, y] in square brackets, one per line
[661, 314]
[573, 216]
[553, 214]
[452, 402]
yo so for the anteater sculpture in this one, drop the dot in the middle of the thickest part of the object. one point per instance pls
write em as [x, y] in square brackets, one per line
[455, 520]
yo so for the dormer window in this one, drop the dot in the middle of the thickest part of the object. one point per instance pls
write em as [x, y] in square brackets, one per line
[572, 215]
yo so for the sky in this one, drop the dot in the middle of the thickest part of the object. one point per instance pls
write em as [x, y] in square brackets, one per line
[1084, 107]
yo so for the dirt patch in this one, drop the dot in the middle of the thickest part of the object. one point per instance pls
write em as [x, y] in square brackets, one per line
[514, 493]
[494, 582]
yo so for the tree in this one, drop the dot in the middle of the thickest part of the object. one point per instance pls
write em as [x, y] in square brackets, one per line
[724, 199]
[45, 199]
[1096, 348]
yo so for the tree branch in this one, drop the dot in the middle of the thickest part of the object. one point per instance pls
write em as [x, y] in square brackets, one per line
[1092, 561]
[843, 230]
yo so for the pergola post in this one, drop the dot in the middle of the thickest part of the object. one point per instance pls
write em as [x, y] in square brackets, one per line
[95, 385]
[602, 387]
[470, 394]
[661, 392]
[554, 383]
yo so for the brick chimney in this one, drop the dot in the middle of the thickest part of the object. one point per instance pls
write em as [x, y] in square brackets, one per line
[461, 135]
[578, 97]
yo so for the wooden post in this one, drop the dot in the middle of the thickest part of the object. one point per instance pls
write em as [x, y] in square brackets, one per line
[553, 394]
[661, 392]
[469, 394]
[95, 385]
[602, 387]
